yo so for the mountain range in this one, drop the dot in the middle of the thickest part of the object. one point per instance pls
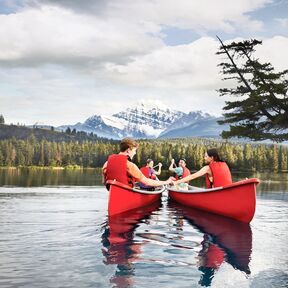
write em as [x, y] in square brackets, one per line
[151, 120]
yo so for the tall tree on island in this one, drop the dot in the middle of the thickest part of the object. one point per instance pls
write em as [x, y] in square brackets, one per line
[261, 109]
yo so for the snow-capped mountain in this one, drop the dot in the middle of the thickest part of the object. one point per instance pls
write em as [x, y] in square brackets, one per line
[141, 121]
[207, 127]
[156, 117]
[188, 119]
[150, 120]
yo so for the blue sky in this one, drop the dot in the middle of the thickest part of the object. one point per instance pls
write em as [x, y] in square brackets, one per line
[64, 61]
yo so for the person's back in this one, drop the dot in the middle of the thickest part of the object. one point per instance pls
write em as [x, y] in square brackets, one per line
[118, 167]
[221, 174]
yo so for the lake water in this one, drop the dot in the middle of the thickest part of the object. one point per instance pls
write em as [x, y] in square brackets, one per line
[59, 235]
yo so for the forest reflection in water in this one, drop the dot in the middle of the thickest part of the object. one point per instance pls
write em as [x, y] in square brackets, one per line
[27, 177]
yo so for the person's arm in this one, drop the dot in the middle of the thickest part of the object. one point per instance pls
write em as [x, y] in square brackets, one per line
[171, 167]
[104, 168]
[159, 169]
[201, 172]
[135, 172]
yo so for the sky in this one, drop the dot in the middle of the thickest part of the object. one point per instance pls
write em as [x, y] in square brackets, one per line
[62, 61]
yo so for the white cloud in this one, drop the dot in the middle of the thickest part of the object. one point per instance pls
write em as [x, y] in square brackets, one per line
[119, 29]
[196, 15]
[178, 67]
[207, 14]
[183, 77]
[283, 22]
[274, 50]
[78, 58]
[56, 35]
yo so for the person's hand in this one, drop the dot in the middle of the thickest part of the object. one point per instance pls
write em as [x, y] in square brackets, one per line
[160, 165]
[174, 181]
[172, 161]
[169, 181]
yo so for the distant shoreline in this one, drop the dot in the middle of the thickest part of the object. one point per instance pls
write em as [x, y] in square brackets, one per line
[76, 167]
[70, 167]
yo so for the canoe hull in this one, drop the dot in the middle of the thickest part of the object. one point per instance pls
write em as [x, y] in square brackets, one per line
[123, 198]
[237, 201]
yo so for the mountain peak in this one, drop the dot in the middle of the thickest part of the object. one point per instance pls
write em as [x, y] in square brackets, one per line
[148, 105]
[149, 119]
[149, 114]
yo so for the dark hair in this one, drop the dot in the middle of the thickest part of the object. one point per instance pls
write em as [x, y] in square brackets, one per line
[214, 153]
[183, 159]
[148, 161]
[127, 143]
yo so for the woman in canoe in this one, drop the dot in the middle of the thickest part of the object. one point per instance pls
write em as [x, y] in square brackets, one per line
[216, 171]
[119, 167]
[149, 172]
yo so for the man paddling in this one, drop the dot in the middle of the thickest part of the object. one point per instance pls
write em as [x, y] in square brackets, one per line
[180, 172]
[216, 171]
[119, 167]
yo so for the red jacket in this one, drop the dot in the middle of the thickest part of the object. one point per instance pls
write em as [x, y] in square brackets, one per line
[117, 169]
[221, 175]
[186, 172]
[147, 172]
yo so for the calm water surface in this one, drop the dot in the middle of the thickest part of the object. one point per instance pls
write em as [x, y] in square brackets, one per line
[60, 236]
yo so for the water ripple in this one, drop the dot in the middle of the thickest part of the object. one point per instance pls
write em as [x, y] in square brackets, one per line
[65, 239]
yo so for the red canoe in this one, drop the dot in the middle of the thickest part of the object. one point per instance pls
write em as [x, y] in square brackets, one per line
[123, 198]
[237, 200]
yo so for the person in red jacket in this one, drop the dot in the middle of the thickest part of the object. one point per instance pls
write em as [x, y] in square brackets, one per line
[216, 171]
[119, 167]
[150, 172]
[180, 172]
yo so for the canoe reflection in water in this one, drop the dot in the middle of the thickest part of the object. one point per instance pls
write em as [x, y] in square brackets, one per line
[224, 240]
[119, 247]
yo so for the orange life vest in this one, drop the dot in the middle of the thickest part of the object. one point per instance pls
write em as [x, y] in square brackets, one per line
[117, 169]
[221, 175]
[186, 172]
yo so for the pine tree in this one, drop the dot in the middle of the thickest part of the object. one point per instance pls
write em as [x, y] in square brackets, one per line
[2, 121]
[274, 159]
[1, 158]
[261, 109]
[68, 131]
[283, 159]
[248, 156]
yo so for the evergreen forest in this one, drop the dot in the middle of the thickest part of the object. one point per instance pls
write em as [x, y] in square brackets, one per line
[240, 156]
